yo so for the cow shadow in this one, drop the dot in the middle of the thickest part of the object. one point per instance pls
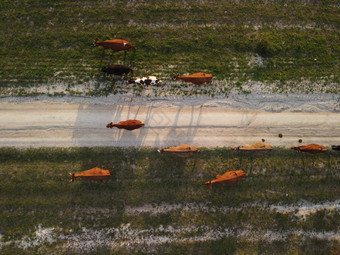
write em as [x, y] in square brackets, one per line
[109, 57]
[186, 134]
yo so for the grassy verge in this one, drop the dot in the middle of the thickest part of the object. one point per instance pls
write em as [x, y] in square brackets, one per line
[288, 43]
[158, 202]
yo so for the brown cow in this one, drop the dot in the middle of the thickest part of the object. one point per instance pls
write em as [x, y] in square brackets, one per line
[255, 147]
[114, 44]
[229, 177]
[311, 148]
[94, 174]
[196, 78]
[128, 124]
[182, 150]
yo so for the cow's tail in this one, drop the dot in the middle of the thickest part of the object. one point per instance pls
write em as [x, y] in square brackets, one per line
[175, 77]
[95, 42]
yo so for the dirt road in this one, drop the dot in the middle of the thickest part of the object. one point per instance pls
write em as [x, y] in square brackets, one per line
[35, 124]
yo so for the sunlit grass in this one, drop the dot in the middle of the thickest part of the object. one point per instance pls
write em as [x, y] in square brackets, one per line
[49, 42]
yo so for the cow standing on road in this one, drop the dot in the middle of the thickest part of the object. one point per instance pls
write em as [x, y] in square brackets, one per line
[128, 124]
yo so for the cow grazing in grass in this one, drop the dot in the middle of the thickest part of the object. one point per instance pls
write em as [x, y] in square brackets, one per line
[182, 150]
[94, 174]
[148, 80]
[229, 177]
[311, 148]
[128, 124]
[196, 78]
[117, 69]
[255, 148]
[114, 44]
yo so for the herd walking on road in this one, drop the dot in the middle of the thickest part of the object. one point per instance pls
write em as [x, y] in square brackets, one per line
[183, 150]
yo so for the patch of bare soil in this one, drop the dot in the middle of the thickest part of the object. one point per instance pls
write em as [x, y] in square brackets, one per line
[210, 124]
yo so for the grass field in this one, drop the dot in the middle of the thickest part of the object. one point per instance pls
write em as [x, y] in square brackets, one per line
[287, 203]
[289, 44]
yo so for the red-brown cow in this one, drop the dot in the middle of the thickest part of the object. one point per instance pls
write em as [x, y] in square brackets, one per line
[128, 124]
[182, 150]
[259, 148]
[94, 174]
[114, 44]
[229, 177]
[196, 78]
[311, 148]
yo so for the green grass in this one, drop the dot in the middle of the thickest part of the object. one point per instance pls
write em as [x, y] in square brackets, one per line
[44, 42]
[34, 191]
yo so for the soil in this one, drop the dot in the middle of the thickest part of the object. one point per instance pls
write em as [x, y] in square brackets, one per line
[234, 121]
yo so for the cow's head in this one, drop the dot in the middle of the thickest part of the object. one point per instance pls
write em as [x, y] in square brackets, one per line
[175, 77]
[208, 183]
[132, 47]
[105, 69]
[110, 125]
[131, 81]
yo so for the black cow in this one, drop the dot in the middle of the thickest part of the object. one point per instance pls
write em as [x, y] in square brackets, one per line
[336, 147]
[117, 69]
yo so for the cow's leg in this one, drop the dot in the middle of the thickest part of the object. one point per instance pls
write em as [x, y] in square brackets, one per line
[101, 59]
[124, 57]
[111, 58]
[147, 81]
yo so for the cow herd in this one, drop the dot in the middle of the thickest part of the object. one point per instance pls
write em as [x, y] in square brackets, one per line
[117, 45]
[182, 150]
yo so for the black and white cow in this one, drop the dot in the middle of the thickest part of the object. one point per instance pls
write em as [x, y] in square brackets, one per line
[147, 80]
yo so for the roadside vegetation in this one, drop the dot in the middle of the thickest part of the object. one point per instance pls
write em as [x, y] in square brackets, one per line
[294, 46]
[156, 203]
